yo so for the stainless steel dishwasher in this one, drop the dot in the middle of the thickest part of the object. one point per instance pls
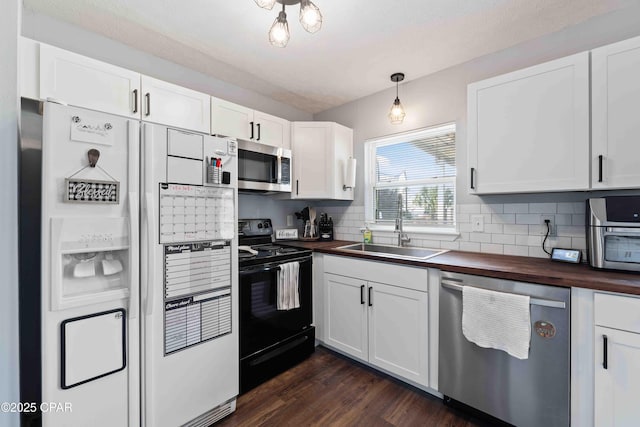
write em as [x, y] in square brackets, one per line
[532, 392]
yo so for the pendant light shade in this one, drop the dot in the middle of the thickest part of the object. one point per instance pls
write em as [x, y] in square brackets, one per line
[396, 114]
[279, 32]
[310, 19]
[266, 4]
[310, 16]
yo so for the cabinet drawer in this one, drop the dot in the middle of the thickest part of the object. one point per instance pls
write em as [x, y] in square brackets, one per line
[382, 272]
[616, 311]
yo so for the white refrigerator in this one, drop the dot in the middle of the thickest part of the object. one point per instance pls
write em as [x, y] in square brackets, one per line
[137, 297]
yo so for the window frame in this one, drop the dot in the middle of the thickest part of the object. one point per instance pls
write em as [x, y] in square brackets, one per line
[371, 184]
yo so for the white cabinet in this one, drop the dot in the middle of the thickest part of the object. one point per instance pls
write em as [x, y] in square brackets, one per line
[528, 131]
[229, 119]
[272, 130]
[615, 93]
[617, 360]
[384, 324]
[233, 120]
[174, 105]
[398, 331]
[320, 151]
[84, 82]
[346, 315]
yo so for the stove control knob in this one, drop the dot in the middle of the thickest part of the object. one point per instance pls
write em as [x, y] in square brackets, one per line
[267, 224]
[259, 225]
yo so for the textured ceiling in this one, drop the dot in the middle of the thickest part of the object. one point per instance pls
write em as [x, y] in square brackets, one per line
[361, 43]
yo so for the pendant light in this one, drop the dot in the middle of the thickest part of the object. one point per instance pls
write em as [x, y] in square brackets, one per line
[266, 4]
[310, 16]
[396, 114]
[279, 32]
[310, 19]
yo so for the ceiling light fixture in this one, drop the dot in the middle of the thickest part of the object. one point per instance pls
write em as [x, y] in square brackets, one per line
[396, 114]
[310, 19]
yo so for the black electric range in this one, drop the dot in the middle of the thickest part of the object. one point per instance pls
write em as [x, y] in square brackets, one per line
[272, 339]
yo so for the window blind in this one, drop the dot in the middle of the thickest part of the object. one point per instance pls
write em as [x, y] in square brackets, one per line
[421, 167]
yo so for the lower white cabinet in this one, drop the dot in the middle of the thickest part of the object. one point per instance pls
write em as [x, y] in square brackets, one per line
[346, 315]
[617, 361]
[384, 324]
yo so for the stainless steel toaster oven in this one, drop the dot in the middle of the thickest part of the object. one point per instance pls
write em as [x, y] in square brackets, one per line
[613, 232]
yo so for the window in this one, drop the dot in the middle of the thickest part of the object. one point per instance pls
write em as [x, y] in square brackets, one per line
[415, 174]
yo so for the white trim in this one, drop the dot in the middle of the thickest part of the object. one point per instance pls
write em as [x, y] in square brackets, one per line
[430, 233]
[370, 183]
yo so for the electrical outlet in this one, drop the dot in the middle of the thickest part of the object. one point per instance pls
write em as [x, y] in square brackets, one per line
[289, 220]
[543, 226]
[477, 223]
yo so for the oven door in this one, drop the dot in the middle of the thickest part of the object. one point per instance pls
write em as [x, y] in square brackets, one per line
[261, 323]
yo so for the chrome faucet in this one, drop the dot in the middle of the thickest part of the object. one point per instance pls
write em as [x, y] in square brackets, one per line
[402, 236]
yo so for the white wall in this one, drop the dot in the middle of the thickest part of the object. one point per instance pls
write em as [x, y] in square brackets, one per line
[9, 30]
[442, 98]
[66, 36]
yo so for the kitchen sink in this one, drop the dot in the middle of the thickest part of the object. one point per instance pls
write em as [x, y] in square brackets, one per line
[403, 252]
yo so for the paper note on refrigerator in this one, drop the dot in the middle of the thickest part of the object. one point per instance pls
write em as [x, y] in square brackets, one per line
[191, 213]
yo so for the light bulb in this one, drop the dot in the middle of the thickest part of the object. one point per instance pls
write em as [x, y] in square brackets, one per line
[279, 32]
[310, 16]
[266, 4]
[396, 115]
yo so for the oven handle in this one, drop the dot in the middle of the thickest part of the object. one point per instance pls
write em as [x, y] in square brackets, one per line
[259, 270]
[272, 266]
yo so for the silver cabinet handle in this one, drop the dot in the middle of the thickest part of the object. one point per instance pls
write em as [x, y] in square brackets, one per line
[148, 101]
[135, 100]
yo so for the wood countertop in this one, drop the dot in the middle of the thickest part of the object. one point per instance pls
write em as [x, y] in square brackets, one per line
[524, 269]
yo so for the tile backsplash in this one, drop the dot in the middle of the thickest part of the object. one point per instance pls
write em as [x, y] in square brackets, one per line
[509, 228]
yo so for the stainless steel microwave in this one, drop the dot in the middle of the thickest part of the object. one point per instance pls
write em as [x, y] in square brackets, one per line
[613, 232]
[263, 168]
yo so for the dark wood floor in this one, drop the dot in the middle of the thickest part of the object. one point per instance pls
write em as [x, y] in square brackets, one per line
[330, 390]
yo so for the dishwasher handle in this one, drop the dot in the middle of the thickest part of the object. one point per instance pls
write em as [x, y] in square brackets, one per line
[456, 286]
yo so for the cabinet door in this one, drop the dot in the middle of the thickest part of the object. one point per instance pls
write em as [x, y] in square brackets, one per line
[617, 388]
[233, 120]
[615, 91]
[272, 130]
[345, 317]
[398, 331]
[84, 82]
[312, 161]
[173, 105]
[529, 130]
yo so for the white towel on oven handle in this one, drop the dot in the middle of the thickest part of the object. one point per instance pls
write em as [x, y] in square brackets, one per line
[497, 320]
[288, 295]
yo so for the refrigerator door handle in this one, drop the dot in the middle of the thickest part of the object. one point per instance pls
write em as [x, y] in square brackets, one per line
[149, 287]
[149, 218]
[134, 227]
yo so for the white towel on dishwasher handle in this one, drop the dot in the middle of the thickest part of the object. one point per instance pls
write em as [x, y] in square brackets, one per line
[288, 296]
[497, 320]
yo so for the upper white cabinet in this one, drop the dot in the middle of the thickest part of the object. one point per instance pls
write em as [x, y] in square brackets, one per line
[528, 131]
[617, 360]
[229, 119]
[615, 93]
[175, 105]
[233, 120]
[84, 82]
[320, 151]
